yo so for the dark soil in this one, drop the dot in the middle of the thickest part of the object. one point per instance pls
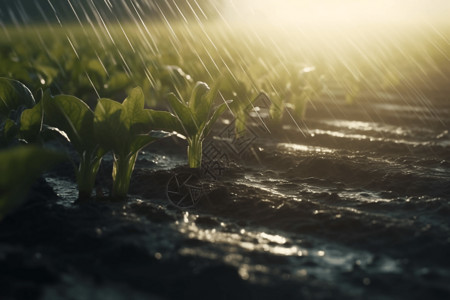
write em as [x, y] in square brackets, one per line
[353, 203]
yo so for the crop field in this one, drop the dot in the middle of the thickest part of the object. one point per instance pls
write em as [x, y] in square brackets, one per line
[222, 150]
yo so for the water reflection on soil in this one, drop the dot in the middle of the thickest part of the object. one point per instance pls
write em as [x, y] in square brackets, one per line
[355, 207]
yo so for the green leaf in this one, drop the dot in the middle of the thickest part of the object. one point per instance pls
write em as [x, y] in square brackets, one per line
[201, 100]
[95, 66]
[211, 96]
[31, 122]
[199, 91]
[118, 81]
[14, 94]
[142, 140]
[74, 117]
[217, 113]
[50, 73]
[184, 114]
[134, 117]
[123, 129]
[10, 128]
[230, 88]
[109, 128]
[240, 122]
[163, 120]
[19, 168]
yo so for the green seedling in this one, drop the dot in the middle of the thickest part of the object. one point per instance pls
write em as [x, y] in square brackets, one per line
[125, 129]
[166, 79]
[20, 117]
[19, 168]
[305, 86]
[292, 86]
[276, 85]
[13, 96]
[196, 118]
[243, 99]
[72, 116]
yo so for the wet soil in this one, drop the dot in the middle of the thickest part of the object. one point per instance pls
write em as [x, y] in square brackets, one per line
[352, 203]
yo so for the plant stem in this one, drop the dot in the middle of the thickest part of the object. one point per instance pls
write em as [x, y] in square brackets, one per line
[240, 122]
[276, 112]
[300, 107]
[122, 169]
[194, 152]
[86, 174]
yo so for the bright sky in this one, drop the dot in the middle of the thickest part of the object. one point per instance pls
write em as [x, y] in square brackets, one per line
[347, 11]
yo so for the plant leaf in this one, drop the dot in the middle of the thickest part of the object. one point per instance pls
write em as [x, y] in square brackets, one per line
[8, 132]
[118, 81]
[186, 118]
[14, 94]
[31, 122]
[74, 117]
[217, 113]
[202, 99]
[141, 140]
[19, 167]
[95, 66]
[196, 99]
[133, 115]
[163, 120]
[109, 129]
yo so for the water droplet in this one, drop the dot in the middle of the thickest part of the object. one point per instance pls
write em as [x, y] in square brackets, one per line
[98, 231]
[243, 272]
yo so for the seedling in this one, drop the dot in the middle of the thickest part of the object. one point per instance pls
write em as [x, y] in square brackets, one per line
[72, 116]
[196, 118]
[13, 96]
[292, 86]
[166, 79]
[305, 86]
[243, 99]
[20, 118]
[125, 129]
[276, 85]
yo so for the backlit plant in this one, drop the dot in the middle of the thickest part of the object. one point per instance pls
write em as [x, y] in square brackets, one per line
[125, 128]
[72, 116]
[20, 117]
[243, 99]
[292, 86]
[196, 117]
[305, 85]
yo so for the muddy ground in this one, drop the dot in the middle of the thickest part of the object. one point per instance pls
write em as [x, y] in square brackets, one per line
[352, 203]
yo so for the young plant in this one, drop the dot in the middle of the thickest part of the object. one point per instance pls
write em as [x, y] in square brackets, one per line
[243, 99]
[20, 117]
[292, 86]
[196, 118]
[165, 79]
[276, 85]
[19, 167]
[305, 86]
[72, 116]
[14, 95]
[125, 129]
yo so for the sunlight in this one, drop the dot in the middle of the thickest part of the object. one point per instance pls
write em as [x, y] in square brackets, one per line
[322, 12]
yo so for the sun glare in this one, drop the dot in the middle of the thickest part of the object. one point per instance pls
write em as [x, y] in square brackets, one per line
[324, 12]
